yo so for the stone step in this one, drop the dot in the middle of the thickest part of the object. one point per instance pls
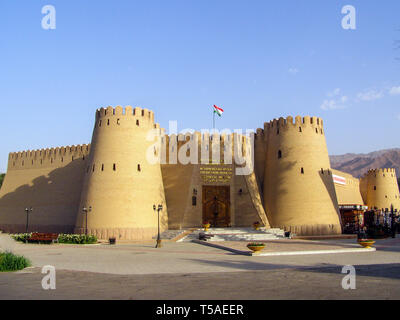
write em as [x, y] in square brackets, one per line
[244, 231]
[238, 234]
[170, 234]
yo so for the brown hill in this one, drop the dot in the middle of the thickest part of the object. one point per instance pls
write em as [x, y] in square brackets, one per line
[358, 164]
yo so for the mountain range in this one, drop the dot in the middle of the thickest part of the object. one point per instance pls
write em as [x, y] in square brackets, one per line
[358, 164]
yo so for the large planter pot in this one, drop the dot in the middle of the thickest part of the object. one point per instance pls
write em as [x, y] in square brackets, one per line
[255, 249]
[366, 243]
[112, 240]
[206, 226]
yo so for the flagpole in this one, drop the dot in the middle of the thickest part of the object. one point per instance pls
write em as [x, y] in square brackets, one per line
[213, 121]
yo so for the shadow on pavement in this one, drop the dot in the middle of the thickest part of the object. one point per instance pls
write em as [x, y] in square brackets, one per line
[390, 270]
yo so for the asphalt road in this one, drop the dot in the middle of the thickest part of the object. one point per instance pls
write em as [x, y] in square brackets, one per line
[192, 271]
[372, 282]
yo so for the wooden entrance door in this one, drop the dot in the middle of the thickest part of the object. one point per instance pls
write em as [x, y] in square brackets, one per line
[216, 205]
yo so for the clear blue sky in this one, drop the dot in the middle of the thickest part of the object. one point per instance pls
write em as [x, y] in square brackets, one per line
[256, 59]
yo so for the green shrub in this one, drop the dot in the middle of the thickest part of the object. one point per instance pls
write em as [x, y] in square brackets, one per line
[77, 239]
[21, 236]
[62, 238]
[11, 262]
[256, 244]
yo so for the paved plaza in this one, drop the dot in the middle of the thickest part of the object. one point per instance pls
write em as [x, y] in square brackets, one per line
[193, 271]
[290, 247]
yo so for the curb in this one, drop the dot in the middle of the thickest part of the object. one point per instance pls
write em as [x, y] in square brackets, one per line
[332, 237]
[295, 253]
[283, 253]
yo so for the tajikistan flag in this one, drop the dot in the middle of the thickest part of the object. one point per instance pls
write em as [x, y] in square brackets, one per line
[218, 111]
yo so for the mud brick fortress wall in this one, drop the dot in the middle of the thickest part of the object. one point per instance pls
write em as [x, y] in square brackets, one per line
[348, 193]
[379, 189]
[291, 186]
[299, 193]
[50, 181]
[119, 183]
[184, 181]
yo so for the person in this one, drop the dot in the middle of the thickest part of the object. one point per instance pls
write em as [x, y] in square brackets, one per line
[396, 224]
[393, 225]
[362, 234]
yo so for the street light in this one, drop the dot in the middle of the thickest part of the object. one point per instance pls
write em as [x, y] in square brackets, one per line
[159, 208]
[85, 211]
[28, 210]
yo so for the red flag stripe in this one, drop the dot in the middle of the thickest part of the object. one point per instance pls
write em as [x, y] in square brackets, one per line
[218, 108]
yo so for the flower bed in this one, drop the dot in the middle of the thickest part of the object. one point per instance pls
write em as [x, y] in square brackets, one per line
[22, 237]
[256, 244]
[206, 225]
[366, 243]
[62, 238]
[77, 239]
[12, 262]
[256, 247]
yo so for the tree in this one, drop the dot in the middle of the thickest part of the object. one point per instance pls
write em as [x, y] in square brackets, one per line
[2, 175]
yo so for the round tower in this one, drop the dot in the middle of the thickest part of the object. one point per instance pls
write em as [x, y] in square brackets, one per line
[381, 189]
[299, 194]
[121, 185]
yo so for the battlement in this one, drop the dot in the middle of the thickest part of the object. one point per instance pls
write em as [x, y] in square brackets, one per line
[381, 171]
[127, 111]
[57, 151]
[49, 156]
[259, 135]
[288, 122]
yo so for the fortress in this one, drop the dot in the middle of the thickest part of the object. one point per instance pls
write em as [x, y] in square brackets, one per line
[291, 187]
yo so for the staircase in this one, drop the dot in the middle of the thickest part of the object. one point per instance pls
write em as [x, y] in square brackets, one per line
[170, 234]
[238, 234]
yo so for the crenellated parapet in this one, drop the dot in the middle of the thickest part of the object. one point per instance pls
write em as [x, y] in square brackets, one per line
[298, 124]
[47, 157]
[259, 135]
[298, 120]
[382, 172]
[117, 116]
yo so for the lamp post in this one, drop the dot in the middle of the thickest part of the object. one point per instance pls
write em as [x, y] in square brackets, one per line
[28, 211]
[159, 208]
[85, 211]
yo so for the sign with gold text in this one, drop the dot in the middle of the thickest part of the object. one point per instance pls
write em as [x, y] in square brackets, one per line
[216, 174]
